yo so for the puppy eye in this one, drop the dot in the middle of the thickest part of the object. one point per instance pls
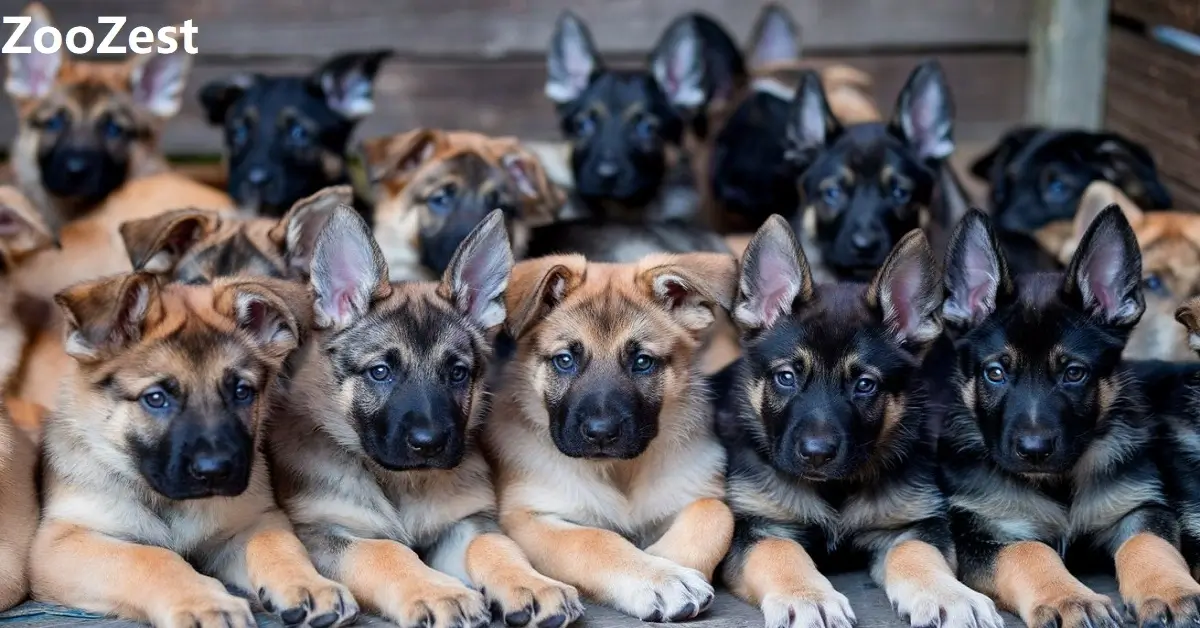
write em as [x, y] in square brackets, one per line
[1074, 373]
[643, 364]
[995, 372]
[1155, 284]
[113, 131]
[785, 379]
[459, 373]
[243, 393]
[441, 200]
[1056, 191]
[585, 125]
[865, 385]
[156, 399]
[645, 129]
[239, 135]
[832, 196]
[900, 194]
[380, 372]
[55, 123]
[297, 133]
[564, 362]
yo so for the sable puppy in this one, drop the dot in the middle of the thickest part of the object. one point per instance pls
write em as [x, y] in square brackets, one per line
[830, 451]
[609, 474]
[376, 457]
[155, 493]
[1047, 446]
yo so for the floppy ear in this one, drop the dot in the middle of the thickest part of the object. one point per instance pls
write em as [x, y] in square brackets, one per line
[1188, 315]
[690, 285]
[571, 60]
[400, 155]
[348, 82]
[990, 167]
[348, 271]
[477, 277]
[976, 273]
[775, 39]
[157, 81]
[107, 315]
[23, 231]
[218, 96]
[31, 75]
[273, 313]
[907, 291]
[296, 233]
[924, 114]
[156, 244]
[539, 285]
[543, 199]
[1104, 278]
[1129, 165]
[1096, 198]
[678, 64]
[775, 277]
[811, 124]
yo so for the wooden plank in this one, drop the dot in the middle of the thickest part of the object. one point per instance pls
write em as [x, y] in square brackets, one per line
[1182, 14]
[1067, 60]
[497, 29]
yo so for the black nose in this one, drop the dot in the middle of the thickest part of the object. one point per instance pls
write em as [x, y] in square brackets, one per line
[818, 450]
[1034, 445]
[601, 431]
[258, 176]
[76, 165]
[212, 469]
[865, 243]
[428, 441]
[607, 169]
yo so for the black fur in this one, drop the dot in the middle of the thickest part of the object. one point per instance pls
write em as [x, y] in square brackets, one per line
[750, 177]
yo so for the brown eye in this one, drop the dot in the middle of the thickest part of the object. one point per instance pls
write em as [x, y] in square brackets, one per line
[995, 372]
[1074, 373]
[865, 385]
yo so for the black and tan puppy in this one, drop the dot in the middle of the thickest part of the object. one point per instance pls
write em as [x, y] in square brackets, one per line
[286, 136]
[1048, 444]
[155, 494]
[376, 456]
[831, 452]
[609, 474]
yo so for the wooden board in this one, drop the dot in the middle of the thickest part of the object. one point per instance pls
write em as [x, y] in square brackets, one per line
[1183, 14]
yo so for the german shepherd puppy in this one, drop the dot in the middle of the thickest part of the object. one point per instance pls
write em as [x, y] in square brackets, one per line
[1047, 446]
[18, 510]
[85, 127]
[609, 474]
[831, 451]
[432, 187]
[387, 399]
[155, 494]
[1176, 395]
[286, 136]
[864, 186]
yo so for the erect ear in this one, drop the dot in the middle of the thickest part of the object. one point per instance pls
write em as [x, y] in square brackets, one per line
[924, 114]
[1188, 315]
[775, 39]
[107, 315]
[399, 156]
[31, 75]
[907, 291]
[542, 198]
[1104, 278]
[275, 314]
[811, 124]
[348, 271]
[977, 278]
[690, 285]
[1129, 165]
[296, 233]
[571, 60]
[539, 285]
[677, 63]
[477, 277]
[775, 277]
[218, 96]
[157, 81]
[23, 230]
[348, 82]
[1096, 198]
[156, 244]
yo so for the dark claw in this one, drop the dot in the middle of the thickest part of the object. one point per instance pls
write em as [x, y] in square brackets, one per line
[687, 612]
[518, 618]
[293, 616]
[323, 621]
[553, 621]
[497, 612]
[655, 617]
[705, 603]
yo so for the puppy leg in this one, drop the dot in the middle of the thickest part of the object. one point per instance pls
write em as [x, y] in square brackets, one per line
[78, 567]
[1030, 579]
[18, 513]
[389, 578]
[609, 568]
[699, 537]
[269, 560]
[1155, 582]
[780, 577]
[475, 551]
[923, 588]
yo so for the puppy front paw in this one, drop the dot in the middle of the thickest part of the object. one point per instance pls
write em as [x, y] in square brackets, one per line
[662, 591]
[527, 598]
[439, 602]
[811, 608]
[944, 602]
[1175, 607]
[213, 609]
[319, 603]
[1077, 610]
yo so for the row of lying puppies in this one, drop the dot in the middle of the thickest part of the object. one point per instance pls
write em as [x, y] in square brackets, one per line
[965, 428]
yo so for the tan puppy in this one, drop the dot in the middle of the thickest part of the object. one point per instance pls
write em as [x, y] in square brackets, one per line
[155, 493]
[18, 510]
[609, 474]
[431, 187]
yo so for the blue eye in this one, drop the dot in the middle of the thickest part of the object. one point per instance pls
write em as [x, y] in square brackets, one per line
[900, 194]
[156, 400]
[1056, 191]
[297, 134]
[585, 125]
[112, 130]
[865, 386]
[565, 362]
[1154, 284]
[645, 129]
[459, 373]
[442, 200]
[832, 196]
[643, 364]
[239, 135]
[785, 379]
[56, 123]
[995, 373]
[380, 372]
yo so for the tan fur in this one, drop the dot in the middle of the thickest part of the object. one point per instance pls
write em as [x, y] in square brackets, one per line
[1031, 581]
[918, 578]
[18, 510]
[782, 579]
[1153, 577]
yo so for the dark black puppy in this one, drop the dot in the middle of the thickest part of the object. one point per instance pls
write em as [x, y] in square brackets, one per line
[1048, 446]
[863, 186]
[286, 136]
[831, 452]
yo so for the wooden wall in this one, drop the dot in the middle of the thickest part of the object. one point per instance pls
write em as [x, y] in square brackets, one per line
[479, 63]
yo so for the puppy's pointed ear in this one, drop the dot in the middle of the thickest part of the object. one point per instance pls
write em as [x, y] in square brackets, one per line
[348, 82]
[678, 65]
[156, 244]
[775, 277]
[1188, 315]
[107, 315]
[399, 156]
[23, 230]
[571, 60]
[296, 233]
[691, 285]
[775, 39]
[811, 124]
[1104, 278]
[542, 199]
[218, 96]
[348, 271]
[275, 314]
[477, 277]
[31, 75]
[537, 286]
[924, 114]
[907, 292]
[976, 273]
[157, 81]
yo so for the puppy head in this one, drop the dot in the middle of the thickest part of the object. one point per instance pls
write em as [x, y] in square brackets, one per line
[433, 187]
[828, 368]
[607, 352]
[405, 364]
[286, 136]
[195, 246]
[179, 378]
[1038, 175]
[866, 185]
[1037, 356]
[23, 230]
[84, 123]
